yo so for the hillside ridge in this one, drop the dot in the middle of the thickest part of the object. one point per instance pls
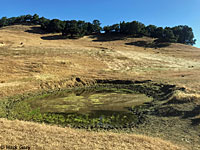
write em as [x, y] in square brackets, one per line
[34, 61]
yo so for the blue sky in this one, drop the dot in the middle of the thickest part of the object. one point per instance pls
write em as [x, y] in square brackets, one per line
[157, 12]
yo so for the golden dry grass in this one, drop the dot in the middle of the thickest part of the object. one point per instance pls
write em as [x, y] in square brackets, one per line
[43, 137]
[29, 62]
[181, 96]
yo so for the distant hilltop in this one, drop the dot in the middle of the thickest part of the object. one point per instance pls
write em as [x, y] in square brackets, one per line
[75, 29]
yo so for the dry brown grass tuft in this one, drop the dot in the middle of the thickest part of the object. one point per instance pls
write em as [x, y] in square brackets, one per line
[45, 137]
[180, 96]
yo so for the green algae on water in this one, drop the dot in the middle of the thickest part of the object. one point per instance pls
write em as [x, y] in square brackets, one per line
[99, 107]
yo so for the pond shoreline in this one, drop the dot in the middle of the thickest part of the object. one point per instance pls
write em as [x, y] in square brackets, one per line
[156, 91]
[165, 116]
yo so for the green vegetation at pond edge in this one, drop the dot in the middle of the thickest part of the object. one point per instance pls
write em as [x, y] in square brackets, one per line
[102, 105]
[23, 111]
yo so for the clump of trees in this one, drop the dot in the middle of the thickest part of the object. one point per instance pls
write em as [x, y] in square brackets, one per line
[80, 28]
[25, 19]
[177, 34]
[70, 28]
[73, 28]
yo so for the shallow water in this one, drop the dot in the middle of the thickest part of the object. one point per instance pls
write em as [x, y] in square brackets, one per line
[90, 102]
[104, 107]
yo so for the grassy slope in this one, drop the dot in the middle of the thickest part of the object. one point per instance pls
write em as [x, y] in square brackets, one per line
[32, 61]
[40, 137]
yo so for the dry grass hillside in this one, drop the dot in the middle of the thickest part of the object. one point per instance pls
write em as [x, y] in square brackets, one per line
[31, 61]
[43, 137]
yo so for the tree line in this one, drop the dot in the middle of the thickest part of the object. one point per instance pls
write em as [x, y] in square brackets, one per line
[70, 27]
[178, 34]
[73, 28]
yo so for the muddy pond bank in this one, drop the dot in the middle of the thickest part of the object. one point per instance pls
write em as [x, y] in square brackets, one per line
[107, 104]
[141, 107]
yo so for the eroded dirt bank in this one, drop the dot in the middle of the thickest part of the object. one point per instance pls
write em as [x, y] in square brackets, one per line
[172, 115]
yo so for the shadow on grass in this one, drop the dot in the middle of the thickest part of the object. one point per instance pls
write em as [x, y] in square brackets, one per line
[36, 30]
[107, 37]
[196, 121]
[195, 112]
[53, 37]
[96, 37]
[58, 37]
[191, 114]
[146, 44]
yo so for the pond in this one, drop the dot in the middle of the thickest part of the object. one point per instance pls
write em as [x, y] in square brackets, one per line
[87, 108]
